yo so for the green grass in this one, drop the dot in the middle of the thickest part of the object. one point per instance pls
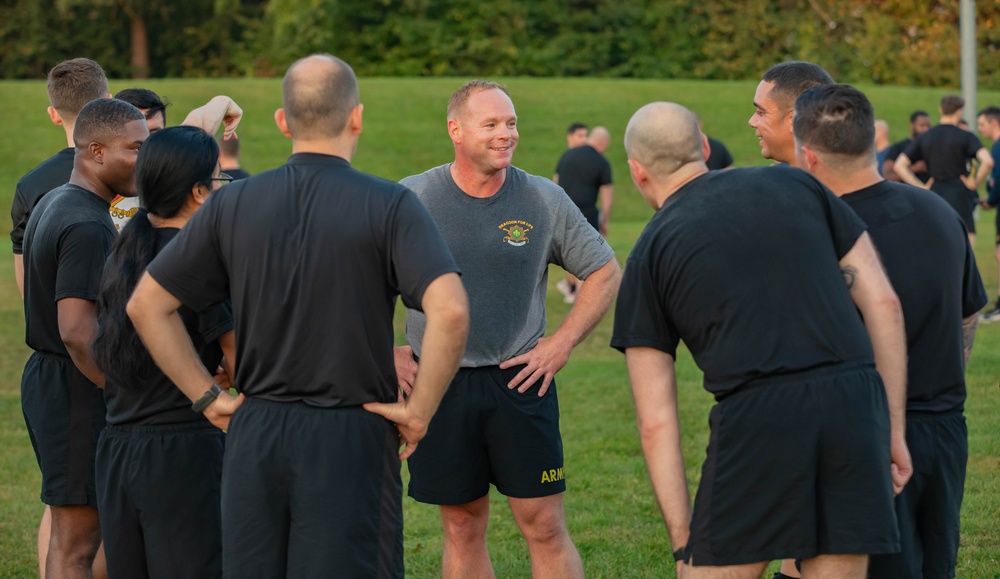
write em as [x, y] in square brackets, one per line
[610, 508]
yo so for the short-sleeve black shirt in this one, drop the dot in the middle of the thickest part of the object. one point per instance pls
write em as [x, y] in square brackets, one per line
[313, 255]
[925, 250]
[945, 149]
[719, 157]
[51, 173]
[66, 241]
[897, 149]
[155, 399]
[743, 266]
[582, 172]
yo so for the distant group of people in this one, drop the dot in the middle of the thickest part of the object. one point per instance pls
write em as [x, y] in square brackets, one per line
[837, 441]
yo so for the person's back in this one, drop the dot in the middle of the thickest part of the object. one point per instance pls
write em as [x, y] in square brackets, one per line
[946, 149]
[288, 258]
[582, 170]
[913, 229]
[746, 296]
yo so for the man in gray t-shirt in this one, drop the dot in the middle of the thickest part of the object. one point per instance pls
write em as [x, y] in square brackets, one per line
[499, 422]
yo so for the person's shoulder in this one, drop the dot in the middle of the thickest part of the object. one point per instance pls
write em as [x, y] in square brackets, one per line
[419, 181]
[48, 174]
[543, 185]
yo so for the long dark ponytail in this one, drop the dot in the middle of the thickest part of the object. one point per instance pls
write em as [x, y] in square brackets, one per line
[170, 163]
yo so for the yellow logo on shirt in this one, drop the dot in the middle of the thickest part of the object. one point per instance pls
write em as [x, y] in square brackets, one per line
[517, 232]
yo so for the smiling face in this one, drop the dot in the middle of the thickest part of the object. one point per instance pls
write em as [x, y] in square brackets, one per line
[772, 124]
[485, 131]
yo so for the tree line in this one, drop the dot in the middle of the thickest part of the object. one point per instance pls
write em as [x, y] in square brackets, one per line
[904, 42]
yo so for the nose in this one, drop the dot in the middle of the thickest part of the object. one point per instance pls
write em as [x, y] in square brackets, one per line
[753, 120]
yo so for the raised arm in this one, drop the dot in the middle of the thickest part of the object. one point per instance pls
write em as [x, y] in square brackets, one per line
[883, 315]
[447, 310]
[216, 112]
[550, 354]
[153, 311]
[77, 327]
[654, 390]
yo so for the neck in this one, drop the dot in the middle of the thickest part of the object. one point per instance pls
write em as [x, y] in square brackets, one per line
[682, 176]
[339, 147]
[92, 184]
[950, 119]
[225, 163]
[69, 136]
[475, 182]
[845, 180]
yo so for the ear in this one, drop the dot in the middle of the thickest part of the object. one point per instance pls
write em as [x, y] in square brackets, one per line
[354, 120]
[810, 157]
[54, 116]
[454, 131]
[706, 149]
[790, 120]
[200, 193]
[639, 174]
[96, 151]
[282, 122]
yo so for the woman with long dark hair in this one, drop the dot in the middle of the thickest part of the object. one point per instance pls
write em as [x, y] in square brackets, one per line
[159, 465]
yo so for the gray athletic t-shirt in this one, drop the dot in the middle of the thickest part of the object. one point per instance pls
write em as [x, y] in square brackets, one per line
[503, 245]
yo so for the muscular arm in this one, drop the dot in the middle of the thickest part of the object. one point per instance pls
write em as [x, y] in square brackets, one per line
[19, 273]
[210, 116]
[550, 354]
[153, 311]
[228, 344]
[883, 316]
[969, 326]
[654, 390]
[902, 170]
[77, 328]
[986, 161]
[607, 195]
[447, 310]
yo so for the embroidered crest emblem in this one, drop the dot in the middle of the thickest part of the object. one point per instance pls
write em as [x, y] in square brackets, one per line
[517, 232]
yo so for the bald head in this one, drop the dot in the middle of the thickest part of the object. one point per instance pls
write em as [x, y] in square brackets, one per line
[318, 94]
[663, 137]
[599, 139]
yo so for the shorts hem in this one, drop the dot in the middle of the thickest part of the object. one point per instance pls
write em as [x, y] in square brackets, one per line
[532, 493]
[70, 500]
[441, 500]
[795, 553]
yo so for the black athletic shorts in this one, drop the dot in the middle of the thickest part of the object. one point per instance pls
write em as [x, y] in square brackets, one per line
[158, 497]
[996, 223]
[311, 492]
[64, 412]
[484, 432]
[928, 508]
[961, 199]
[797, 467]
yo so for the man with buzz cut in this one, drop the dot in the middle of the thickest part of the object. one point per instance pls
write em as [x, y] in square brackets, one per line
[767, 302]
[313, 255]
[774, 102]
[988, 123]
[947, 149]
[66, 241]
[933, 270]
[499, 422]
[576, 135]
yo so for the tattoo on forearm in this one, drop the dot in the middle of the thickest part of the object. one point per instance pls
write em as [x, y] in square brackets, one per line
[969, 326]
[850, 276]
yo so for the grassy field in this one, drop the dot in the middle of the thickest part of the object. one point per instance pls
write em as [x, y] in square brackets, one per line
[611, 511]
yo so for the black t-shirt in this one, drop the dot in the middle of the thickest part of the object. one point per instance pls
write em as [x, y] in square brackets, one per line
[66, 241]
[743, 265]
[155, 399]
[719, 157]
[926, 252]
[582, 172]
[51, 173]
[945, 149]
[897, 149]
[313, 255]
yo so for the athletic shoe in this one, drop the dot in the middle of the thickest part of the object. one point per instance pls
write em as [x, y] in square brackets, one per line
[990, 316]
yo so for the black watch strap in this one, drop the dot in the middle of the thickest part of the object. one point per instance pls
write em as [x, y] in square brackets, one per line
[681, 554]
[207, 398]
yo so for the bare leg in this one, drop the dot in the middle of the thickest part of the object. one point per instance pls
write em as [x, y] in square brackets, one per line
[465, 554]
[44, 528]
[835, 567]
[74, 542]
[543, 525]
[750, 571]
[972, 240]
[788, 568]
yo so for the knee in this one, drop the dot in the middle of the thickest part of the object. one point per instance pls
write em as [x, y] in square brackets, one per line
[464, 526]
[545, 527]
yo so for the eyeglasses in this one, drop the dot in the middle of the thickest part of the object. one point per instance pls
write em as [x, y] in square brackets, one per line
[223, 177]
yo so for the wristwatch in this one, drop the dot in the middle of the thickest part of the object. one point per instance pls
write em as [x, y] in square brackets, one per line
[680, 554]
[207, 398]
